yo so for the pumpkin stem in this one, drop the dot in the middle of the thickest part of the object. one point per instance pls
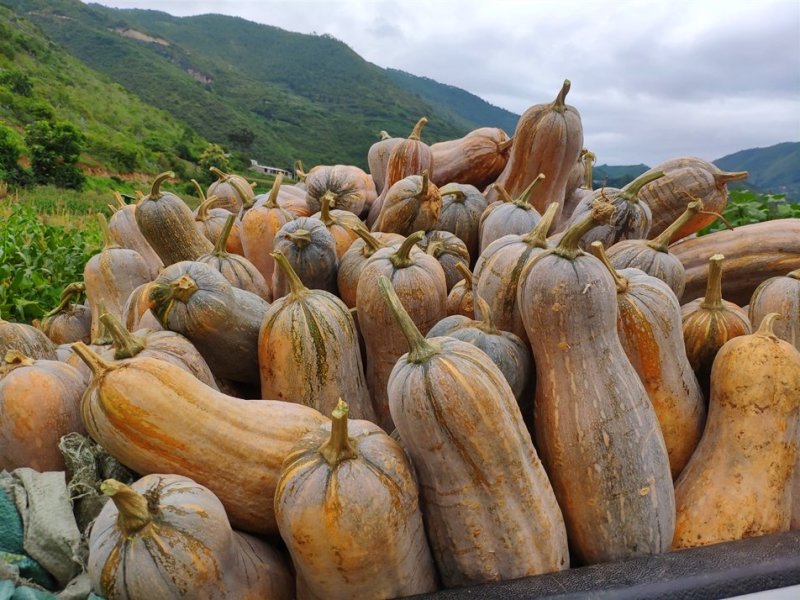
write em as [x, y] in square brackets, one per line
[464, 270]
[599, 251]
[296, 285]
[588, 160]
[298, 169]
[73, 290]
[97, 365]
[272, 199]
[326, 201]
[660, 243]
[560, 103]
[415, 133]
[221, 175]
[205, 206]
[155, 189]
[502, 147]
[720, 179]
[459, 196]
[371, 243]
[767, 325]
[794, 274]
[245, 193]
[631, 191]
[523, 201]
[424, 187]
[120, 200]
[421, 350]
[486, 324]
[501, 191]
[384, 135]
[15, 357]
[568, 244]
[339, 447]
[103, 337]
[108, 237]
[435, 249]
[200, 193]
[126, 345]
[134, 512]
[713, 297]
[222, 240]
[300, 237]
[402, 258]
[537, 236]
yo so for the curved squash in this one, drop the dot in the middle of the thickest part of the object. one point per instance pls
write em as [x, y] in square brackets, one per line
[476, 159]
[378, 158]
[68, 322]
[125, 232]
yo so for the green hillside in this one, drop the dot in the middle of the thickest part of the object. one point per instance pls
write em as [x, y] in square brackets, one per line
[774, 169]
[40, 81]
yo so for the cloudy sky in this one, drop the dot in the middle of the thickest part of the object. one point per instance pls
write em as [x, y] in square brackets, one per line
[652, 79]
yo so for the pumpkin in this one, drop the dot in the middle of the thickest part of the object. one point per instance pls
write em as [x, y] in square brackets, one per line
[460, 424]
[311, 250]
[780, 295]
[291, 198]
[378, 158]
[339, 222]
[450, 251]
[476, 159]
[68, 322]
[234, 191]
[167, 223]
[506, 218]
[411, 204]
[585, 189]
[125, 232]
[25, 339]
[605, 455]
[709, 322]
[211, 223]
[462, 207]
[460, 300]
[738, 483]
[39, 403]
[548, 139]
[649, 327]
[136, 313]
[357, 255]
[349, 187]
[347, 506]
[308, 350]
[166, 536]
[234, 447]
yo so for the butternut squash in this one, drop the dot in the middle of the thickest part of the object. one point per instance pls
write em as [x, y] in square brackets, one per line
[476, 159]
[125, 232]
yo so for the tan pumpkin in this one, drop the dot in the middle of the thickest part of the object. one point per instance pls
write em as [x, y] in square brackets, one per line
[548, 139]
[517, 216]
[234, 447]
[780, 295]
[410, 205]
[348, 186]
[339, 222]
[136, 313]
[347, 506]
[234, 191]
[357, 255]
[25, 339]
[576, 196]
[39, 403]
[378, 158]
[311, 250]
[450, 251]
[125, 232]
[476, 159]
[462, 207]
[308, 350]
[69, 321]
[461, 300]
[460, 424]
[738, 483]
[605, 455]
[166, 536]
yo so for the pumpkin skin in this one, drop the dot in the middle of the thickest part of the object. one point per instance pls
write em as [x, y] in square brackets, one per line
[462, 207]
[341, 224]
[220, 320]
[25, 339]
[176, 415]
[686, 178]
[233, 191]
[460, 424]
[39, 403]
[450, 251]
[739, 481]
[308, 350]
[649, 327]
[753, 253]
[709, 322]
[548, 139]
[611, 437]
[584, 191]
[211, 221]
[311, 250]
[125, 232]
[166, 536]
[167, 223]
[347, 505]
[356, 257]
[780, 295]
[410, 205]
[476, 159]
[378, 159]
[507, 218]
[351, 188]
[68, 322]
[461, 300]
[136, 313]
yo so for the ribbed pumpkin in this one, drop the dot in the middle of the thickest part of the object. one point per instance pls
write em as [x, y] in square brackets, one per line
[548, 139]
[25, 339]
[779, 295]
[410, 205]
[209, 217]
[419, 281]
[233, 191]
[167, 223]
[308, 350]
[155, 417]
[476, 159]
[605, 454]
[506, 218]
[378, 158]
[462, 207]
[347, 506]
[68, 322]
[136, 313]
[291, 198]
[166, 536]
[39, 403]
[709, 322]
[125, 232]
[649, 327]
[460, 424]
[220, 320]
[311, 250]
[349, 187]
[738, 483]
[460, 300]
[357, 255]
[339, 222]
[450, 251]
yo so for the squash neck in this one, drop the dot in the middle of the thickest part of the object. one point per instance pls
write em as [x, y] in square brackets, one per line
[340, 446]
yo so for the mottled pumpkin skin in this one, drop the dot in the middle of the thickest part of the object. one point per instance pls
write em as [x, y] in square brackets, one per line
[25, 339]
[595, 428]
[738, 483]
[631, 219]
[354, 529]
[462, 207]
[781, 295]
[449, 250]
[39, 403]
[72, 324]
[136, 313]
[154, 417]
[233, 191]
[125, 232]
[188, 550]
[409, 205]
[351, 187]
[636, 254]
[505, 218]
[354, 260]
[239, 272]
[476, 159]
[378, 159]
[460, 300]
[340, 223]
[460, 424]
[314, 262]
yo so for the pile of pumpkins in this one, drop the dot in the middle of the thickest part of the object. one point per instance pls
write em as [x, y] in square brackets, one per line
[464, 366]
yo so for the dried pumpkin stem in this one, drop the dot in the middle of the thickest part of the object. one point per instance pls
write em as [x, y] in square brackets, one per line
[15, 357]
[560, 103]
[423, 189]
[384, 135]
[524, 199]
[126, 345]
[120, 200]
[660, 243]
[713, 297]
[599, 251]
[221, 175]
[205, 206]
[464, 270]
[245, 194]
[794, 274]
[568, 246]
[155, 189]
[200, 193]
[502, 193]
[767, 325]
[97, 365]
[537, 236]
[504, 146]
[296, 285]
[588, 161]
[134, 512]
[402, 258]
[299, 170]
[486, 324]
[339, 447]
[417, 131]
[108, 237]
[184, 288]
[72, 291]
[300, 237]
[222, 240]
[326, 201]
[103, 338]
[421, 350]
[631, 191]
[720, 179]
[458, 195]
[272, 199]
[371, 243]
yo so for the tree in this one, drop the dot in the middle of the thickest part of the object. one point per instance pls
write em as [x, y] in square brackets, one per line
[213, 156]
[54, 151]
[10, 151]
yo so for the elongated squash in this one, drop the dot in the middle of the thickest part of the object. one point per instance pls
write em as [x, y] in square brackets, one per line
[476, 159]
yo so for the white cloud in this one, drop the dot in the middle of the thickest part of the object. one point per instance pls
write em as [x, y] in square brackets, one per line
[652, 79]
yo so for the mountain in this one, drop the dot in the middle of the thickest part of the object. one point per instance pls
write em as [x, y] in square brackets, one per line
[271, 94]
[616, 175]
[774, 169]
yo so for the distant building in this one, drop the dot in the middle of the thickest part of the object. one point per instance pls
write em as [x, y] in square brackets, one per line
[254, 166]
